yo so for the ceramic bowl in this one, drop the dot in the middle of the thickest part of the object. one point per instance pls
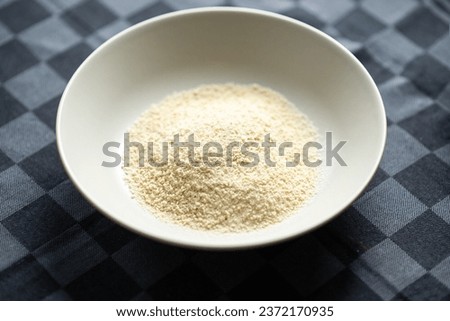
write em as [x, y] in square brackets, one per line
[182, 50]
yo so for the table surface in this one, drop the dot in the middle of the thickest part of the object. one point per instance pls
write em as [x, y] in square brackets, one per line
[393, 243]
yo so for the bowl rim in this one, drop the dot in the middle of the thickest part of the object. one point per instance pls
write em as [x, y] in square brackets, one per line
[170, 239]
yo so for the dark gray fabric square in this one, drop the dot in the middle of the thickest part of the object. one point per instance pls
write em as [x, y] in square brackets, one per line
[425, 288]
[88, 16]
[11, 250]
[71, 200]
[15, 59]
[350, 235]
[47, 112]
[358, 25]
[105, 281]
[307, 265]
[376, 70]
[10, 107]
[228, 269]
[137, 258]
[108, 235]
[38, 222]
[263, 285]
[70, 255]
[185, 283]
[21, 14]
[5, 161]
[45, 167]
[26, 280]
[434, 178]
[428, 74]
[345, 287]
[68, 61]
[423, 27]
[431, 127]
[426, 239]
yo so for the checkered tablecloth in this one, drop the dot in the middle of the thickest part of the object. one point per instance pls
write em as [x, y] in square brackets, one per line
[392, 244]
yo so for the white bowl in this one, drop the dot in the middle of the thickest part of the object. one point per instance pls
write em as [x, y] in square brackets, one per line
[182, 50]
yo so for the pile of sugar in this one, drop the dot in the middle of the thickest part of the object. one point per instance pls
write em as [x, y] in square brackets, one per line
[223, 198]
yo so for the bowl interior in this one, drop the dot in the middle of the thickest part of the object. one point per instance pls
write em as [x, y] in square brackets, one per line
[183, 50]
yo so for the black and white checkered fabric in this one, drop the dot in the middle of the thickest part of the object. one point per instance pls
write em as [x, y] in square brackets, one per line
[392, 244]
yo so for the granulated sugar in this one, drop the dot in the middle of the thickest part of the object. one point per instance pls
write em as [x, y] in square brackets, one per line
[227, 197]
